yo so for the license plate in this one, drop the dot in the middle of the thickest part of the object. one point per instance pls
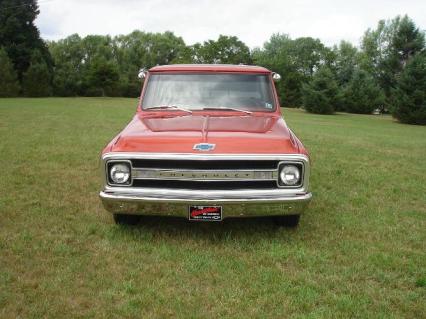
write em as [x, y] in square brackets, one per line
[205, 213]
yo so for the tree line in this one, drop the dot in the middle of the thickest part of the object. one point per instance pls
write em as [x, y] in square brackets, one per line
[387, 72]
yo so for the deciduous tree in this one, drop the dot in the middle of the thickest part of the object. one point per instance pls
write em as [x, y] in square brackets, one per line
[144, 50]
[386, 49]
[296, 61]
[70, 67]
[225, 50]
[346, 61]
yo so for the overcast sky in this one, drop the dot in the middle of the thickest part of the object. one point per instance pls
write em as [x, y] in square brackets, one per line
[253, 21]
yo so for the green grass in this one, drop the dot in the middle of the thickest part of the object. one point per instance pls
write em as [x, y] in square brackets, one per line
[359, 251]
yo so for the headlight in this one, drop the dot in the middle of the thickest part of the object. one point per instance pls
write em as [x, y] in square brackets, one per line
[290, 175]
[119, 173]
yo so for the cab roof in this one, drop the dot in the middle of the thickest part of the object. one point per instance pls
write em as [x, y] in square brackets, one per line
[210, 68]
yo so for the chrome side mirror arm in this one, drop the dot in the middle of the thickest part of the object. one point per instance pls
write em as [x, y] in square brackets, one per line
[142, 73]
[276, 77]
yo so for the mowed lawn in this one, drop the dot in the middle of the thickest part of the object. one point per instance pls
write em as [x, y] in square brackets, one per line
[359, 252]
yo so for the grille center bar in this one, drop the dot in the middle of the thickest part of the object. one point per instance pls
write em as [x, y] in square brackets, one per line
[204, 175]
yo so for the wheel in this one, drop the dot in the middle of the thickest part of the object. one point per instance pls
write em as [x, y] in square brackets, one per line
[289, 221]
[123, 219]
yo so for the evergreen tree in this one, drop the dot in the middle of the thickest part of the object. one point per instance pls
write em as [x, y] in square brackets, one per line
[409, 98]
[19, 36]
[36, 81]
[321, 95]
[9, 85]
[103, 78]
[362, 94]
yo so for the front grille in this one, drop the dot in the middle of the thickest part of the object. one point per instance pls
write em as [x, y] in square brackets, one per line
[205, 174]
[205, 165]
[209, 172]
[212, 185]
[212, 174]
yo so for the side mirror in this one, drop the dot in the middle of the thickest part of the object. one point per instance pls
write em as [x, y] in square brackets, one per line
[142, 74]
[276, 77]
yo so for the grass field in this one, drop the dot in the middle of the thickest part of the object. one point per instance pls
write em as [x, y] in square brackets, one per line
[359, 252]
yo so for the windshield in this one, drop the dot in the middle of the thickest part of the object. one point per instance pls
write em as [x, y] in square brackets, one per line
[251, 92]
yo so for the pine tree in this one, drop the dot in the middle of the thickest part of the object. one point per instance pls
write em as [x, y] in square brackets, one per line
[321, 95]
[103, 77]
[409, 98]
[9, 85]
[362, 94]
[36, 81]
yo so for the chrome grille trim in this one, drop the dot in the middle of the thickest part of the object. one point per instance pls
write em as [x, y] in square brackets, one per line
[204, 175]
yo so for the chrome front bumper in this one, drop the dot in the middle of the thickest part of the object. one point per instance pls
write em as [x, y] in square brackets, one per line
[172, 202]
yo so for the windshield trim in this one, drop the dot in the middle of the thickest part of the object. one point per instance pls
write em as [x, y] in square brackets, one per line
[267, 74]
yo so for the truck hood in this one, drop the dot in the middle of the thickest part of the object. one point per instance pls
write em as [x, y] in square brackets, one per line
[239, 134]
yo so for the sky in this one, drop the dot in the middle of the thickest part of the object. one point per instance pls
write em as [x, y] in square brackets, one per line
[252, 21]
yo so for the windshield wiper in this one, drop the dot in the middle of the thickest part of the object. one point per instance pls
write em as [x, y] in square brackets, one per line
[174, 107]
[227, 109]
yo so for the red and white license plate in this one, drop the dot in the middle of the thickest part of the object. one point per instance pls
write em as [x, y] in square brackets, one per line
[205, 213]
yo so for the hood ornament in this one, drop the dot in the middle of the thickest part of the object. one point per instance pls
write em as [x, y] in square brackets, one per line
[204, 147]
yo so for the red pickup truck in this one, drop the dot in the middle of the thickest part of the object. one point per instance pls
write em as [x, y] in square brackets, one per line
[207, 142]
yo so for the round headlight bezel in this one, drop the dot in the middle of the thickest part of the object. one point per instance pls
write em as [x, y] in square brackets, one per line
[287, 169]
[116, 168]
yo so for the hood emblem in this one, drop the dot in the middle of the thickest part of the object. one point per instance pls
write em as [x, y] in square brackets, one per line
[204, 147]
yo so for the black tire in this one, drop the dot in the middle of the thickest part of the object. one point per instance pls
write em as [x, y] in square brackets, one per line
[289, 221]
[122, 219]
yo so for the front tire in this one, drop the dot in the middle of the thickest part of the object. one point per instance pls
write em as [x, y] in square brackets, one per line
[288, 221]
[123, 219]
